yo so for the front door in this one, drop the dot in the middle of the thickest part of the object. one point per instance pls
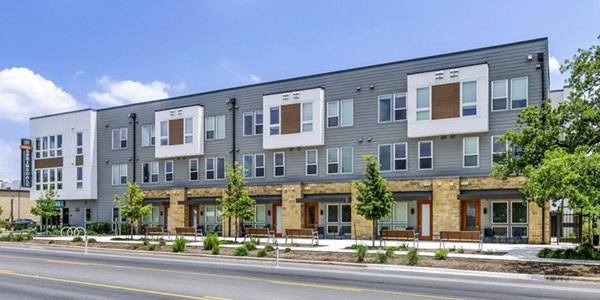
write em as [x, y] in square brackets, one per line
[277, 218]
[424, 220]
[65, 215]
[311, 215]
[470, 215]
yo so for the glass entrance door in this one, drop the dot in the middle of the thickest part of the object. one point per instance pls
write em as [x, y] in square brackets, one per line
[312, 218]
[470, 215]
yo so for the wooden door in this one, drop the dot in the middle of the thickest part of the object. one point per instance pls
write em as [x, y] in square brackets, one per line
[425, 220]
[311, 215]
[470, 215]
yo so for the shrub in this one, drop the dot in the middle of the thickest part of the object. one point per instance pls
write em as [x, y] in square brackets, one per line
[404, 246]
[441, 254]
[461, 249]
[262, 253]
[585, 250]
[99, 227]
[179, 244]
[240, 251]
[145, 241]
[250, 246]
[216, 250]
[394, 248]
[91, 240]
[162, 242]
[77, 239]
[51, 242]
[558, 253]
[544, 253]
[151, 247]
[269, 248]
[452, 249]
[384, 257]
[255, 241]
[353, 246]
[569, 254]
[4, 224]
[287, 250]
[412, 258]
[211, 241]
[361, 252]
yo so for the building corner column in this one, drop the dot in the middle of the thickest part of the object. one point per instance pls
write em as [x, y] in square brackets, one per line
[178, 212]
[291, 210]
[446, 205]
[535, 223]
[361, 227]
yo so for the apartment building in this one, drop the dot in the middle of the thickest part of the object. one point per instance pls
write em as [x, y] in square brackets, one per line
[432, 122]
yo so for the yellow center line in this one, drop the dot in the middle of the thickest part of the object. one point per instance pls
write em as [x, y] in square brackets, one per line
[290, 283]
[101, 285]
[67, 262]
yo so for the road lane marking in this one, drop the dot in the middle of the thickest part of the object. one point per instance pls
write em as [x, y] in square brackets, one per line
[101, 285]
[67, 262]
[314, 285]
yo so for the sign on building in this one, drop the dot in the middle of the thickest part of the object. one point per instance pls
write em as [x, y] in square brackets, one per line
[26, 164]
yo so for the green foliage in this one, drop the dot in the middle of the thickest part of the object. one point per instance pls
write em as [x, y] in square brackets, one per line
[269, 248]
[162, 242]
[151, 247]
[412, 257]
[99, 227]
[132, 205]
[441, 254]
[393, 248]
[461, 249]
[384, 257]
[46, 206]
[179, 244]
[215, 250]
[250, 246]
[361, 252]
[211, 241]
[262, 253]
[51, 242]
[287, 250]
[1, 210]
[236, 203]
[255, 241]
[240, 251]
[77, 239]
[145, 241]
[92, 240]
[4, 224]
[374, 198]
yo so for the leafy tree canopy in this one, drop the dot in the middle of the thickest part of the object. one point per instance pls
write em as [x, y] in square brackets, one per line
[131, 204]
[237, 203]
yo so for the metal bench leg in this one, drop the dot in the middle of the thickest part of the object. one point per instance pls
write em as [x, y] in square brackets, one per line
[286, 237]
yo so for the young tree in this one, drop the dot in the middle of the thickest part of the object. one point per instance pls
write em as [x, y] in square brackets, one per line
[236, 204]
[131, 205]
[46, 206]
[374, 198]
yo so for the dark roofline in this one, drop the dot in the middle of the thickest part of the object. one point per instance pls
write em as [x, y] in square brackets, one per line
[62, 113]
[178, 107]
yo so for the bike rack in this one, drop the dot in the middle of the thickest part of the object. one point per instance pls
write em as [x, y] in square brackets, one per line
[75, 231]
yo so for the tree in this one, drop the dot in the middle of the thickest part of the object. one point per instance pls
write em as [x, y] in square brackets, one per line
[236, 204]
[46, 206]
[131, 205]
[374, 198]
[1, 211]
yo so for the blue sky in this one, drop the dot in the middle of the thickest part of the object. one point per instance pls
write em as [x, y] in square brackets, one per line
[63, 55]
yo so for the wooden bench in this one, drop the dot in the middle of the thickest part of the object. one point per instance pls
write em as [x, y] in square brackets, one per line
[399, 235]
[461, 236]
[258, 233]
[189, 231]
[155, 231]
[302, 233]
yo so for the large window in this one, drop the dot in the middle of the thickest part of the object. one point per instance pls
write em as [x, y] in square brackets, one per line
[498, 149]
[48, 146]
[340, 160]
[347, 160]
[518, 212]
[260, 218]
[333, 114]
[385, 108]
[400, 157]
[312, 165]
[425, 155]
[248, 165]
[258, 122]
[119, 174]
[188, 131]
[80, 143]
[169, 170]
[339, 216]
[119, 138]
[164, 133]
[347, 112]
[307, 117]
[79, 178]
[274, 122]
[212, 217]
[148, 135]
[259, 165]
[470, 152]
[193, 164]
[385, 157]
[150, 172]
[47, 179]
[423, 104]
[469, 98]
[499, 95]
[214, 128]
[279, 164]
[399, 106]
[398, 218]
[333, 161]
[215, 168]
[510, 218]
[518, 93]
[248, 123]
[500, 212]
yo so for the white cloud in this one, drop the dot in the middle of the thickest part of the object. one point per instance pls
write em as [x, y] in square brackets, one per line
[129, 91]
[79, 73]
[25, 94]
[554, 65]
[255, 78]
[10, 167]
[228, 67]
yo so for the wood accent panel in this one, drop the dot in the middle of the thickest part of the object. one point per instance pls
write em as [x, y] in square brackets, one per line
[176, 132]
[79, 160]
[445, 101]
[49, 163]
[290, 118]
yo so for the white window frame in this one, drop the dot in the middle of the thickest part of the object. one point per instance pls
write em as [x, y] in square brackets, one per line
[341, 159]
[209, 125]
[213, 169]
[220, 130]
[507, 213]
[331, 115]
[506, 94]
[256, 167]
[185, 133]
[252, 119]
[217, 164]
[342, 115]
[316, 164]
[526, 92]
[379, 97]
[467, 104]
[120, 174]
[123, 139]
[401, 108]
[79, 183]
[256, 124]
[151, 134]
[244, 169]
[151, 164]
[526, 214]
[465, 154]
[396, 158]
[275, 164]
[419, 155]
[190, 169]
[166, 136]
[337, 161]
[172, 173]
[492, 148]
[276, 125]
[79, 149]
[390, 158]
[422, 109]
[120, 138]
[306, 122]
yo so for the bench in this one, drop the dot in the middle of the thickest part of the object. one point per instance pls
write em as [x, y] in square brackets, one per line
[258, 233]
[189, 231]
[302, 233]
[399, 235]
[461, 236]
[156, 231]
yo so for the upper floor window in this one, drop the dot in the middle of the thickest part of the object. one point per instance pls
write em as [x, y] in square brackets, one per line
[385, 108]
[399, 106]
[258, 122]
[400, 157]
[499, 95]
[333, 114]
[148, 135]
[423, 104]
[215, 168]
[248, 123]
[425, 155]
[311, 162]
[48, 146]
[169, 171]
[48, 179]
[469, 98]
[164, 133]
[274, 117]
[518, 93]
[340, 113]
[248, 165]
[498, 149]
[188, 136]
[385, 157]
[193, 164]
[79, 177]
[215, 127]
[119, 138]
[119, 174]
[80, 143]
[470, 152]
[340, 160]
[259, 165]
[279, 164]
[150, 172]
[307, 117]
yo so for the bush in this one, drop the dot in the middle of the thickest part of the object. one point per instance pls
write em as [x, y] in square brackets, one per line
[145, 241]
[4, 224]
[583, 251]
[441, 254]
[216, 250]
[461, 249]
[91, 240]
[250, 246]
[255, 241]
[262, 253]
[151, 247]
[51, 242]
[240, 251]
[361, 252]
[99, 227]
[77, 239]
[412, 258]
[393, 248]
[287, 250]
[179, 244]
[269, 248]
[211, 241]
[544, 253]
[384, 257]
[162, 242]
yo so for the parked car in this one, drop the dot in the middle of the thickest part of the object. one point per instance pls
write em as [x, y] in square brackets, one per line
[29, 222]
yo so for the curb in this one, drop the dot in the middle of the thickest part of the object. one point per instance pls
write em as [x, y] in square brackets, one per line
[572, 278]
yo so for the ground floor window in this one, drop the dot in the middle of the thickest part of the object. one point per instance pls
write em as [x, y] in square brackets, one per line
[152, 219]
[398, 219]
[339, 219]
[260, 217]
[510, 218]
[212, 217]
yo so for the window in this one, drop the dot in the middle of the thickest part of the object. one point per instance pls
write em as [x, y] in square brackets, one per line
[150, 172]
[122, 138]
[518, 93]
[79, 177]
[499, 95]
[51, 146]
[209, 127]
[274, 120]
[220, 127]
[212, 217]
[210, 169]
[45, 146]
[426, 155]
[215, 168]
[220, 168]
[258, 122]
[260, 213]
[400, 157]
[164, 133]
[193, 169]
[248, 166]
[519, 212]
[334, 221]
[279, 163]
[119, 174]
[248, 123]
[401, 212]
[88, 215]
[423, 104]
[215, 128]
[333, 114]
[148, 135]
[311, 162]
[259, 165]
[385, 157]
[470, 152]
[333, 161]
[169, 171]
[385, 108]
[498, 149]
[398, 219]
[399, 106]
[500, 212]
[307, 117]
[347, 160]
[347, 112]
[469, 98]
[335, 165]
[333, 213]
[50, 179]
[188, 136]
[80, 143]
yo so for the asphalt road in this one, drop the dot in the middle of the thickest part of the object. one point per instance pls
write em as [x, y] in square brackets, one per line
[35, 272]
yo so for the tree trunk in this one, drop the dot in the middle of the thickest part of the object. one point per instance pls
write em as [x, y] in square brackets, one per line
[46, 229]
[236, 229]
[374, 231]
[131, 229]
